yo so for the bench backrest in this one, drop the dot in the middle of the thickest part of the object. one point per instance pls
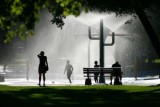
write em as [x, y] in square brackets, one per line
[93, 70]
[2, 73]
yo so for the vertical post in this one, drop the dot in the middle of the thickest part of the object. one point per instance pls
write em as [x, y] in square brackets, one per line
[89, 33]
[27, 61]
[101, 44]
[89, 53]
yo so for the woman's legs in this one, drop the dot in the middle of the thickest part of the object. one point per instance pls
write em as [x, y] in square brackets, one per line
[39, 79]
[44, 78]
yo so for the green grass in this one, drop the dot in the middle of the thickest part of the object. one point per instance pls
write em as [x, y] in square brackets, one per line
[56, 96]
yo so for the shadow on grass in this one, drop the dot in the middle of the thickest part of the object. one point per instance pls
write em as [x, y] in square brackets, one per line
[52, 96]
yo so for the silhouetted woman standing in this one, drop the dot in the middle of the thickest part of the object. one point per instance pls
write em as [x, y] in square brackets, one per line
[43, 67]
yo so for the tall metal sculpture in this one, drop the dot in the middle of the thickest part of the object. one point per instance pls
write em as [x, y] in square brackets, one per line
[102, 44]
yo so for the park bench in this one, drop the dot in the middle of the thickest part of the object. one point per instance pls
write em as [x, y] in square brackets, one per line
[2, 74]
[89, 72]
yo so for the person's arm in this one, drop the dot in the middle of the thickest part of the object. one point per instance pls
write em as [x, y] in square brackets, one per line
[72, 67]
[65, 70]
[46, 62]
[38, 55]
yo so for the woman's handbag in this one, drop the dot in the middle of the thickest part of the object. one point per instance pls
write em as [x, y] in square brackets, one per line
[46, 68]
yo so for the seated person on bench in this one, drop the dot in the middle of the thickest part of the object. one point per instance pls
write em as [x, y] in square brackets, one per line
[116, 72]
[96, 74]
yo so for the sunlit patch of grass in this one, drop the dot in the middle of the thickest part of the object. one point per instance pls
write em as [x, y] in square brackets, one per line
[36, 95]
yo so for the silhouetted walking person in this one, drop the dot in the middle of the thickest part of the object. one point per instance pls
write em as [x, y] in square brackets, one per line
[69, 70]
[43, 67]
[116, 72]
[96, 73]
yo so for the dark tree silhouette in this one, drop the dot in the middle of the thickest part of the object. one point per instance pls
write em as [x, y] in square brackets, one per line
[17, 17]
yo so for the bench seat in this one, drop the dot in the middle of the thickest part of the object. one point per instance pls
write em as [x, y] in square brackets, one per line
[89, 72]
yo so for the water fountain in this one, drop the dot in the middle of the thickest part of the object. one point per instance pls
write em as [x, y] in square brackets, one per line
[72, 43]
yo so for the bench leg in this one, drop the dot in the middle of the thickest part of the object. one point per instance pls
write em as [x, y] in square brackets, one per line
[88, 81]
[117, 81]
[1, 78]
[136, 78]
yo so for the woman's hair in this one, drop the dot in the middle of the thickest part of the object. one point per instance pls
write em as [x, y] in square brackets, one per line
[42, 52]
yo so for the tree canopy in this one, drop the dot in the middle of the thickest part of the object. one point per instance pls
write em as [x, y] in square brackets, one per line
[17, 17]
[62, 8]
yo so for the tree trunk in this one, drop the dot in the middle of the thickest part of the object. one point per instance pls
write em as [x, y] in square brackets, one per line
[149, 29]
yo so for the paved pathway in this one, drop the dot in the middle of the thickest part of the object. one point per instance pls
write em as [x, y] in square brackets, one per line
[33, 82]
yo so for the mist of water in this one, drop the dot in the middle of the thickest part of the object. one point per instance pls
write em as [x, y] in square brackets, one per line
[72, 43]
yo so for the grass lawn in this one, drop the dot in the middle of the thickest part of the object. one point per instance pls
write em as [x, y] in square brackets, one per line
[98, 95]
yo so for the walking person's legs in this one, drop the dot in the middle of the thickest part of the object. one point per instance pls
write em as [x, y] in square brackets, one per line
[70, 80]
[69, 76]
